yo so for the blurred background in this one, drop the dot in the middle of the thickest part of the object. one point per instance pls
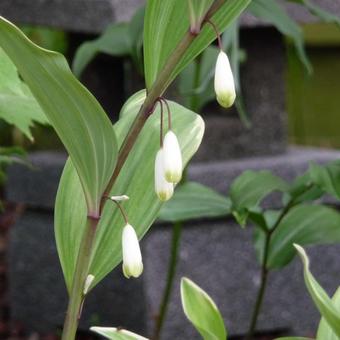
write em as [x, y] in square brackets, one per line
[286, 62]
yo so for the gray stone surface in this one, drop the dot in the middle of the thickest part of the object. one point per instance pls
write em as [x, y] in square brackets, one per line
[94, 15]
[289, 165]
[91, 16]
[37, 291]
[220, 258]
[76, 15]
[37, 188]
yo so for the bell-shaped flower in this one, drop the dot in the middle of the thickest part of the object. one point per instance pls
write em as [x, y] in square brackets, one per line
[132, 257]
[172, 158]
[163, 188]
[224, 81]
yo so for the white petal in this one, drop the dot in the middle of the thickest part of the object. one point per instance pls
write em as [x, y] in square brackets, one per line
[120, 198]
[172, 158]
[132, 257]
[88, 283]
[224, 81]
[163, 188]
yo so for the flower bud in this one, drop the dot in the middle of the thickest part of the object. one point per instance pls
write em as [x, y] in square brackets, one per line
[172, 158]
[224, 81]
[163, 188]
[88, 282]
[132, 257]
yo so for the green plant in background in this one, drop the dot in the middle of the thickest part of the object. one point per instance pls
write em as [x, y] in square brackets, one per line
[299, 219]
[109, 163]
[329, 326]
[18, 108]
[195, 86]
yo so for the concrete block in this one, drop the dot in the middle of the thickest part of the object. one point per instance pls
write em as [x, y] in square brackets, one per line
[220, 258]
[38, 297]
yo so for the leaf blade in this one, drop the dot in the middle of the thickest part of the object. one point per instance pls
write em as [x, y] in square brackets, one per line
[168, 17]
[201, 311]
[322, 301]
[192, 201]
[75, 114]
[135, 180]
[304, 224]
[116, 334]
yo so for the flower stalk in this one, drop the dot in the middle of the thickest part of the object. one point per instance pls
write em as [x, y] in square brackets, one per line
[81, 271]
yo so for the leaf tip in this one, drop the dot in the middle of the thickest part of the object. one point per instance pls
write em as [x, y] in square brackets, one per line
[302, 254]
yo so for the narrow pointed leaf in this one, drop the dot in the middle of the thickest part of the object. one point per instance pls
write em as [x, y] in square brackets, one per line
[197, 12]
[172, 21]
[192, 201]
[271, 11]
[324, 304]
[202, 312]
[114, 41]
[116, 333]
[319, 12]
[136, 180]
[325, 331]
[75, 114]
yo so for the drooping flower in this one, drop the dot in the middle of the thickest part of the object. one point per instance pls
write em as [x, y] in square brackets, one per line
[172, 158]
[163, 188]
[132, 256]
[224, 81]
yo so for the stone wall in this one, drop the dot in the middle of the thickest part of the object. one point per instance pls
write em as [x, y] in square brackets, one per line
[217, 254]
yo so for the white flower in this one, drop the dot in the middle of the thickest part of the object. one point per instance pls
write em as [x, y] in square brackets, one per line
[88, 283]
[172, 158]
[132, 257]
[163, 188]
[224, 81]
[120, 198]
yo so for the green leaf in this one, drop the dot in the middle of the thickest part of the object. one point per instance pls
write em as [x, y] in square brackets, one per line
[195, 82]
[201, 310]
[303, 189]
[136, 180]
[116, 333]
[75, 114]
[319, 12]
[304, 224]
[192, 201]
[270, 11]
[327, 177]
[136, 33]
[325, 332]
[324, 304]
[251, 187]
[114, 41]
[120, 39]
[172, 21]
[17, 104]
[197, 11]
